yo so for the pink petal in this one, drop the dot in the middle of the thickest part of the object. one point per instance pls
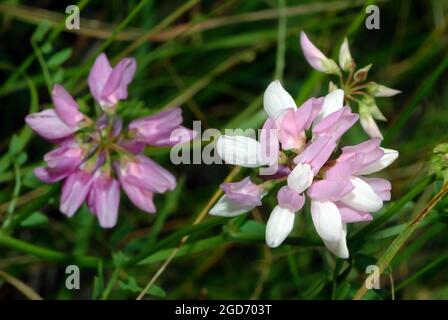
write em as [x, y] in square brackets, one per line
[47, 176]
[140, 197]
[116, 87]
[106, 200]
[98, 76]
[156, 129]
[147, 174]
[344, 169]
[312, 54]
[269, 142]
[349, 215]
[282, 171]
[370, 149]
[48, 125]
[336, 124]
[329, 190]
[289, 199]
[244, 192]
[381, 187]
[317, 152]
[74, 192]
[66, 107]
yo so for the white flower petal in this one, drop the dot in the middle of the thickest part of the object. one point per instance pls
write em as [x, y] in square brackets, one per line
[386, 160]
[277, 100]
[300, 177]
[362, 197]
[240, 150]
[339, 248]
[279, 226]
[370, 126]
[345, 58]
[332, 103]
[227, 208]
[327, 220]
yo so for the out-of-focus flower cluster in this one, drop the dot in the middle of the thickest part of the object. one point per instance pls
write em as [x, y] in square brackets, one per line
[95, 157]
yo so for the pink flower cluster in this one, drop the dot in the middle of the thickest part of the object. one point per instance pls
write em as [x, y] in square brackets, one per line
[95, 158]
[339, 190]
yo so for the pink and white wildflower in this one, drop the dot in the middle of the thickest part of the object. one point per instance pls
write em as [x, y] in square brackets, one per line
[338, 190]
[95, 158]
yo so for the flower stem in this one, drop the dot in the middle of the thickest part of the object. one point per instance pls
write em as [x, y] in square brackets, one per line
[400, 240]
[45, 253]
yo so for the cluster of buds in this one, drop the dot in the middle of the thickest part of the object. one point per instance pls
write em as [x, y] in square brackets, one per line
[356, 89]
[95, 157]
[439, 162]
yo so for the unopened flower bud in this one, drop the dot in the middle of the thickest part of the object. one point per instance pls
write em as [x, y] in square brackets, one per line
[361, 74]
[378, 90]
[346, 61]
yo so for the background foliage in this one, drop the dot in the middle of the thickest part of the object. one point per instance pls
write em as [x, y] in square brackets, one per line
[214, 59]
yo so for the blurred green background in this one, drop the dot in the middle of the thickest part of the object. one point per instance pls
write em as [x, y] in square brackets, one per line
[215, 59]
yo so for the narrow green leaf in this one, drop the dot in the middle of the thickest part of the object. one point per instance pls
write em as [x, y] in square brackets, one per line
[59, 58]
[34, 220]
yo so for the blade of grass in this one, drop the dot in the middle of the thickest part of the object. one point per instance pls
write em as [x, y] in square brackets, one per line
[25, 289]
[421, 92]
[45, 253]
[395, 246]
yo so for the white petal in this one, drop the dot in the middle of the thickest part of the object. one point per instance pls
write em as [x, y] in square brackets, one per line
[327, 220]
[240, 150]
[227, 208]
[370, 126]
[279, 226]
[386, 160]
[362, 197]
[277, 100]
[332, 102]
[339, 248]
[345, 58]
[300, 177]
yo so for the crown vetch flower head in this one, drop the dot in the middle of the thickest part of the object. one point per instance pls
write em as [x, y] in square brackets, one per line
[95, 158]
[338, 190]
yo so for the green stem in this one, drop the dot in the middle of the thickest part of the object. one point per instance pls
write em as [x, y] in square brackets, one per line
[394, 209]
[281, 42]
[111, 284]
[45, 253]
[401, 239]
[43, 65]
[15, 196]
[334, 286]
